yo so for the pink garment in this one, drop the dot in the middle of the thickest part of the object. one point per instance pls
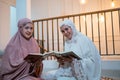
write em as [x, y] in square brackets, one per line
[13, 64]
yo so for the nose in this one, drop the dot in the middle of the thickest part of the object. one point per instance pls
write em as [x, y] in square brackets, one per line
[65, 31]
[29, 30]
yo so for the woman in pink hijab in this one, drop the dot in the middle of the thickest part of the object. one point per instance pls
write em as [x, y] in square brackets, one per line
[14, 67]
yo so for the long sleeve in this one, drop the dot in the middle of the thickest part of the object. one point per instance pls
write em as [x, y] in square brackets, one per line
[90, 65]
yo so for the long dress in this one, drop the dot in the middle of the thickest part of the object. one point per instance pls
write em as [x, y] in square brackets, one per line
[13, 66]
[89, 67]
[64, 74]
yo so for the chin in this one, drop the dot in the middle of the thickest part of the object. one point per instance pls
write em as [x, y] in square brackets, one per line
[27, 38]
[70, 37]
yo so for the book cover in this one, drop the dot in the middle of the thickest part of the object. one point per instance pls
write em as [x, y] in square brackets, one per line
[64, 54]
[36, 56]
[71, 54]
[33, 57]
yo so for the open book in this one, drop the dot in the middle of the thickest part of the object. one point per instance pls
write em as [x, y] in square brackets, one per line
[33, 57]
[36, 56]
[67, 54]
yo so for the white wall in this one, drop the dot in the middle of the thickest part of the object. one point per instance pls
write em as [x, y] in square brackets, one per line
[13, 24]
[4, 24]
[23, 9]
[52, 8]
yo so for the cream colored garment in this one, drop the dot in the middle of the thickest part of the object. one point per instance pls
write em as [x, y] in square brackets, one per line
[66, 78]
[89, 68]
[64, 74]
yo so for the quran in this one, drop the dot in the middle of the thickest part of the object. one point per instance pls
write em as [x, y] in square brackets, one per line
[67, 54]
[32, 57]
[36, 56]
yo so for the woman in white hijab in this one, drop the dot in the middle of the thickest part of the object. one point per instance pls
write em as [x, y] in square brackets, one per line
[89, 67]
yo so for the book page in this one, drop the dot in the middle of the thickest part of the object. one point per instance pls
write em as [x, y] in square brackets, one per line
[70, 53]
[64, 54]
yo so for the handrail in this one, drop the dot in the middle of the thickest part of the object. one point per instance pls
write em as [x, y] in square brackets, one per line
[105, 35]
[87, 13]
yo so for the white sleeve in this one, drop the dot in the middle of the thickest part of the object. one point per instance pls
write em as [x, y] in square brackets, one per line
[90, 59]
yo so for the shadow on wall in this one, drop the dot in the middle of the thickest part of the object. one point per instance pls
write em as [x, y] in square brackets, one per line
[1, 53]
[111, 69]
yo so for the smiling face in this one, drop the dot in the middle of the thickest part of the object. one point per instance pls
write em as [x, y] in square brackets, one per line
[66, 31]
[27, 30]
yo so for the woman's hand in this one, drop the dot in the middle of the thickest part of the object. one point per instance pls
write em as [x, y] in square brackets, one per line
[34, 60]
[62, 60]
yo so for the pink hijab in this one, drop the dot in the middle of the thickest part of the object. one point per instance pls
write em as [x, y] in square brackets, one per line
[13, 64]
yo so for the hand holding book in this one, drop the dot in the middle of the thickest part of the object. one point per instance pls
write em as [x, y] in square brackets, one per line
[70, 54]
[32, 57]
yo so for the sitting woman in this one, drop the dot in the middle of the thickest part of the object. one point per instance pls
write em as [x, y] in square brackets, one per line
[89, 66]
[14, 67]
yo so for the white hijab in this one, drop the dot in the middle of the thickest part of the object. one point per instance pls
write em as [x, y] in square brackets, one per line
[72, 26]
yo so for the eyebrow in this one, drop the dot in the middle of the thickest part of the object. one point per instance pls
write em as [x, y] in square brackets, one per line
[66, 29]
